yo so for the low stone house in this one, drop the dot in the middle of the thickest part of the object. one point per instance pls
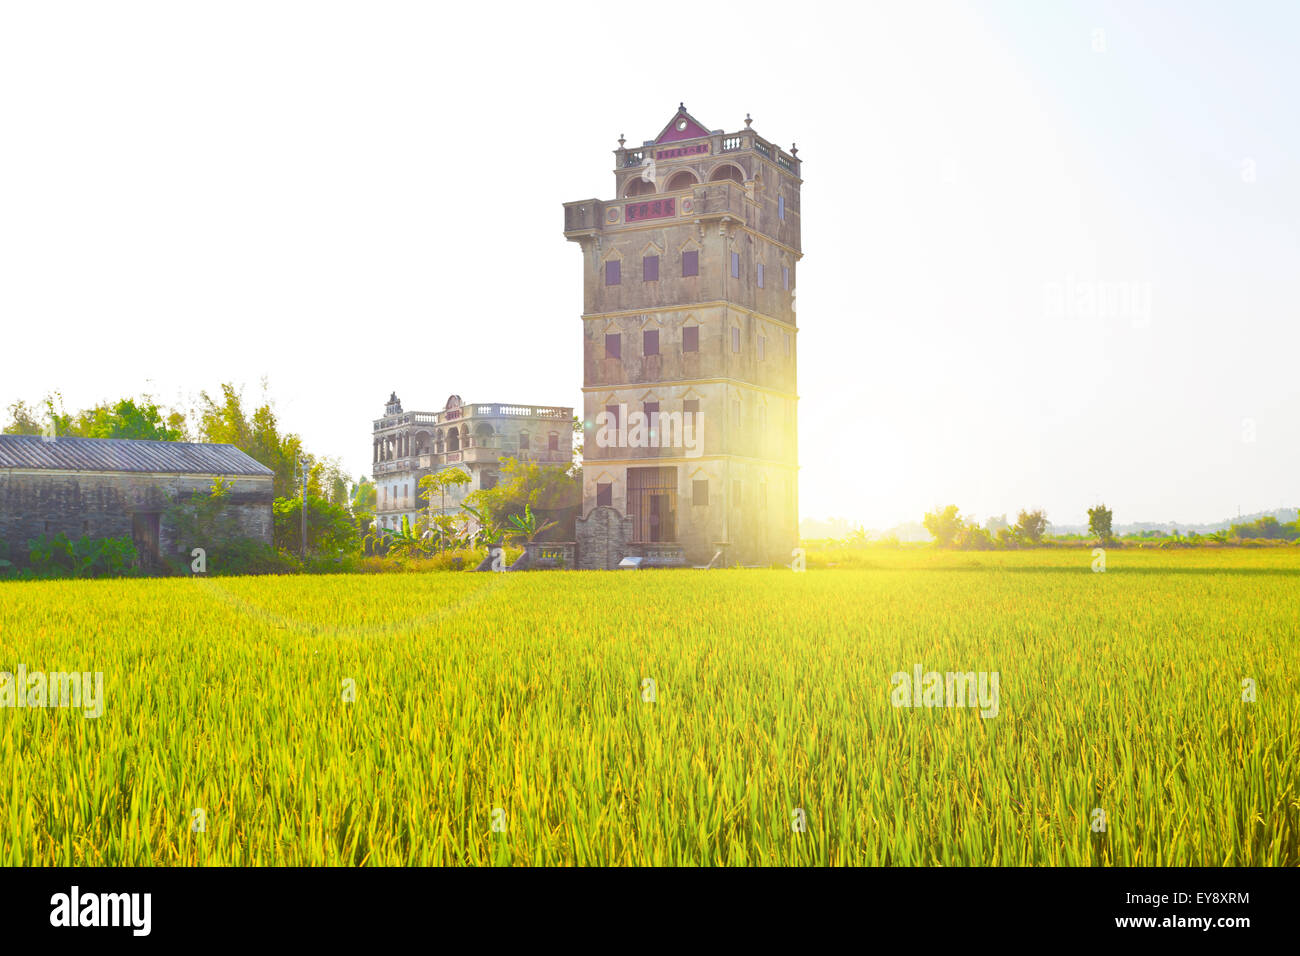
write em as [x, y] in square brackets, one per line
[114, 487]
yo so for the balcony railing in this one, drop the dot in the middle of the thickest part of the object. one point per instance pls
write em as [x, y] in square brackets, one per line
[634, 157]
[493, 410]
[486, 450]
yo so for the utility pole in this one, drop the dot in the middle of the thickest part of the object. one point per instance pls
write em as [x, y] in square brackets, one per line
[303, 466]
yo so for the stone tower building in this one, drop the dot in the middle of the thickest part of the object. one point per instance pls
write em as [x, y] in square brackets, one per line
[689, 344]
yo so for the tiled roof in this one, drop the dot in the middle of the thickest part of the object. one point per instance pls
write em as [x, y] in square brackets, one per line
[125, 454]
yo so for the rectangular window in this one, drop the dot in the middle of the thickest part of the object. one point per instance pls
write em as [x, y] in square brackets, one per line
[690, 406]
[760, 275]
[612, 274]
[651, 411]
[785, 277]
[650, 342]
[780, 208]
[691, 263]
[523, 441]
[735, 265]
[735, 340]
[691, 338]
[762, 347]
[604, 493]
[613, 416]
[650, 269]
[614, 345]
[700, 492]
[553, 442]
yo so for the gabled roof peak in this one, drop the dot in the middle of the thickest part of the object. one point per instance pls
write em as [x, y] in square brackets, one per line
[682, 126]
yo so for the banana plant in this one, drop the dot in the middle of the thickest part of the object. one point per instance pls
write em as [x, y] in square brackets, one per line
[406, 542]
[527, 527]
[490, 531]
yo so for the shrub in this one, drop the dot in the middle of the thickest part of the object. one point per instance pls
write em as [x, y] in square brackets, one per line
[58, 556]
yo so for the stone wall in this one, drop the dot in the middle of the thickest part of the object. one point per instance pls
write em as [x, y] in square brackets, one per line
[602, 538]
[551, 554]
[103, 505]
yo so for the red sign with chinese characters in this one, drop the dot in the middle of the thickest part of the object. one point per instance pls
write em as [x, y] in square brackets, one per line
[655, 209]
[680, 151]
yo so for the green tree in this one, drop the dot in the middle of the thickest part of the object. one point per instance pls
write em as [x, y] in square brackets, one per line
[944, 525]
[331, 531]
[438, 483]
[1030, 526]
[363, 498]
[130, 419]
[126, 418]
[24, 419]
[528, 484]
[972, 537]
[258, 436]
[1099, 522]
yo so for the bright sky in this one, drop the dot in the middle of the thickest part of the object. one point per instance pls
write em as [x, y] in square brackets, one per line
[1051, 250]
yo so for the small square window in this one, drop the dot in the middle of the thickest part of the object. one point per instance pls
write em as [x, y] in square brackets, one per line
[614, 345]
[691, 263]
[605, 493]
[691, 338]
[700, 492]
[612, 273]
[735, 265]
[650, 269]
[650, 342]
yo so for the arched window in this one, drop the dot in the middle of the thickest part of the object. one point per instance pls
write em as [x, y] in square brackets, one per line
[727, 171]
[638, 187]
[683, 179]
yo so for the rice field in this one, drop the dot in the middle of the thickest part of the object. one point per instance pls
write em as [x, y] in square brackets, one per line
[738, 717]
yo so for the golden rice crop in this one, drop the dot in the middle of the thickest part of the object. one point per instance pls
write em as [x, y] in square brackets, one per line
[509, 719]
